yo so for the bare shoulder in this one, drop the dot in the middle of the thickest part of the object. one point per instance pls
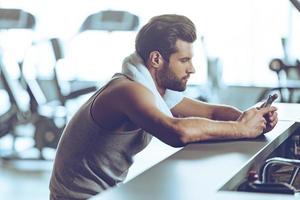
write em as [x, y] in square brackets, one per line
[121, 97]
[124, 89]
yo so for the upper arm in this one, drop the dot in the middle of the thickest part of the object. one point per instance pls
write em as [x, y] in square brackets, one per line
[127, 101]
[138, 104]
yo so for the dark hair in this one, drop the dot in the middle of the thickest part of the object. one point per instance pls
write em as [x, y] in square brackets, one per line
[161, 33]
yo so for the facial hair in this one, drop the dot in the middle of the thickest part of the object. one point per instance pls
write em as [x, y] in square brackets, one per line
[168, 79]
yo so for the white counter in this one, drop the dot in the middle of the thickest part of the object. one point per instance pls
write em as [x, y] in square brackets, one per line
[199, 170]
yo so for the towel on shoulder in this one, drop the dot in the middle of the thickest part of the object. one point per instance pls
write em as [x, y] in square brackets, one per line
[133, 66]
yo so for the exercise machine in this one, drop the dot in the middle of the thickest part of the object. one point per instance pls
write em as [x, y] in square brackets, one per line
[46, 130]
[287, 71]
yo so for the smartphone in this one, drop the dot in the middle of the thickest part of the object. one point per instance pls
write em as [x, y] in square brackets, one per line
[269, 101]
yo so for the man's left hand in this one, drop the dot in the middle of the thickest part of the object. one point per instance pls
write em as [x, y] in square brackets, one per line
[272, 119]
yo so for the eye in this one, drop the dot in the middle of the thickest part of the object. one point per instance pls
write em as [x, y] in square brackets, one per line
[184, 60]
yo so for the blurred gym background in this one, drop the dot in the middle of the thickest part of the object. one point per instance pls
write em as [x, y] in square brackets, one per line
[55, 53]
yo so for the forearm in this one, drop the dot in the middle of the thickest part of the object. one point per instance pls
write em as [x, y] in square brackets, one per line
[181, 131]
[250, 124]
[202, 129]
[226, 113]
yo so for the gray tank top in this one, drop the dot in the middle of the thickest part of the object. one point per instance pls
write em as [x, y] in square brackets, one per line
[90, 159]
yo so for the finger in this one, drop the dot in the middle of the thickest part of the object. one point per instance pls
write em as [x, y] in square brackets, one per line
[273, 116]
[264, 125]
[269, 117]
[264, 128]
[273, 108]
[274, 122]
[264, 121]
[270, 114]
[267, 110]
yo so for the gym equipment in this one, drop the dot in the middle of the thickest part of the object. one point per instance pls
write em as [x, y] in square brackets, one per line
[17, 19]
[296, 3]
[74, 93]
[286, 88]
[110, 20]
[11, 116]
[279, 173]
[284, 69]
[47, 132]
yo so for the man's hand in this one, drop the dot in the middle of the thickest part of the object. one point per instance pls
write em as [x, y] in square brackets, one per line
[254, 122]
[271, 119]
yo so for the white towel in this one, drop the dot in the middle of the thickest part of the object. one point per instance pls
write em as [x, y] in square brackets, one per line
[134, 68]
[157, 151]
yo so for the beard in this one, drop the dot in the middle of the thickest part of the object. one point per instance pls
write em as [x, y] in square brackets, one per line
[168, 79]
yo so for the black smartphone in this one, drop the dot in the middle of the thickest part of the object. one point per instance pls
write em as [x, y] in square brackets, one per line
[269, 101]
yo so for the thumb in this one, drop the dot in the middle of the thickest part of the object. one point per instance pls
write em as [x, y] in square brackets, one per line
[267, 110]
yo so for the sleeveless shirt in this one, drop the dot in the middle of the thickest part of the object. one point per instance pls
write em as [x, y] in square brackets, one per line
[90, 159]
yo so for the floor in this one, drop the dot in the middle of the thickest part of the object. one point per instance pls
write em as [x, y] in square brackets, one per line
[25, 179]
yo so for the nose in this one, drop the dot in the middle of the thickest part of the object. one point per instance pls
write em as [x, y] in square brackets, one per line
[191, 69]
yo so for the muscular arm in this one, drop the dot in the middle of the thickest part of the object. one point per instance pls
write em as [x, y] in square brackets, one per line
[138, 103]
[190, 107]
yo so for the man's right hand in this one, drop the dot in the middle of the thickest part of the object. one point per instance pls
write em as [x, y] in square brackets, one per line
[252, 122]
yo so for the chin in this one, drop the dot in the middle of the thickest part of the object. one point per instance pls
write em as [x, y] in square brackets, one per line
[182, 89]
[178, 89]
[180, 86]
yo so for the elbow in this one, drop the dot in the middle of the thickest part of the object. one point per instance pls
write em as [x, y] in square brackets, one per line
[180, 138]
[173, 133]
[177, 144]
[183, 140]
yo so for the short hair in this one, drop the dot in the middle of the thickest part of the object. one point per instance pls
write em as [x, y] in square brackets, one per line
[161, 33]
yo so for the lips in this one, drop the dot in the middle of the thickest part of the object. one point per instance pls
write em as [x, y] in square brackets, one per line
[186, 77]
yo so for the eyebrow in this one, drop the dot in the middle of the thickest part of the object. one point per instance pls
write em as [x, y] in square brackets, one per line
[185, 58]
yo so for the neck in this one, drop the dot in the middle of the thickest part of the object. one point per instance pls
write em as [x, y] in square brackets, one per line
[160, 90]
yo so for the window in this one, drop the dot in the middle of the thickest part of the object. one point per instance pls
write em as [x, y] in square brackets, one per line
[245, 35]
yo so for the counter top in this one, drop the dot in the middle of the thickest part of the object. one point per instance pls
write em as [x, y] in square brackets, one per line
[200, 170]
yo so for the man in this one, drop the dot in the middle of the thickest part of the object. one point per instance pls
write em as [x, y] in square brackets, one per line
[118, 121]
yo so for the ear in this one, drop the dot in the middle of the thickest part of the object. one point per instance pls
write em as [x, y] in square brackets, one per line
[155, 59]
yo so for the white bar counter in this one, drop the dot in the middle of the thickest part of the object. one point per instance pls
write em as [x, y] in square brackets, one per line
[200, 170]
